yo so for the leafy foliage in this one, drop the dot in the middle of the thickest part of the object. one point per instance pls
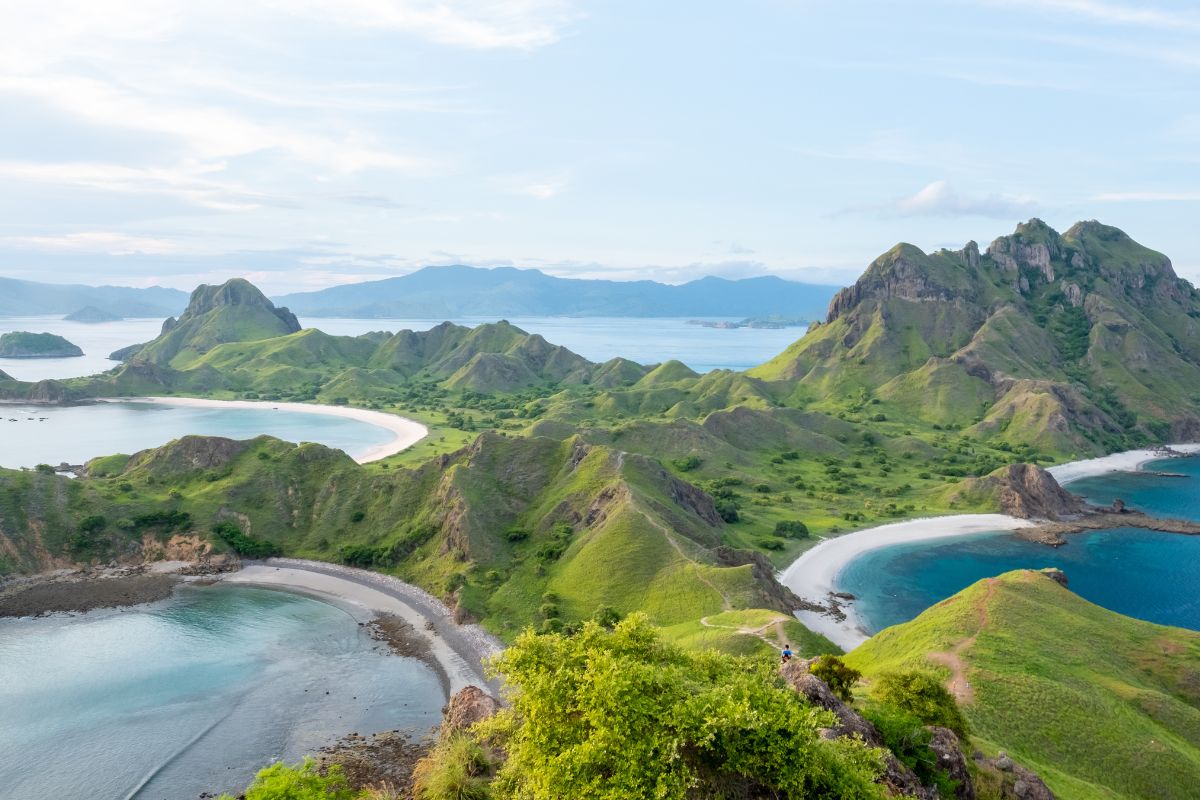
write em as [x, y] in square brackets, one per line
[456, 769]
[836, 673]
[922, 694]
[299, 782]
[621, 714]
[243, 544]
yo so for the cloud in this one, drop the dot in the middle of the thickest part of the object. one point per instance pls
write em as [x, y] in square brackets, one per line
[940, 199]
[1136, 15]
[541, 187]
[190, 181]
[101, 242]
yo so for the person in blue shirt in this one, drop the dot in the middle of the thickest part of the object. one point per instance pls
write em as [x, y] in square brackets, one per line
[787, 653]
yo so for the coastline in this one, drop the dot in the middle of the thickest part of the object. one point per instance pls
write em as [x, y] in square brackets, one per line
[406, 432]
[813, 576]
[457, 650]
[1127, 461]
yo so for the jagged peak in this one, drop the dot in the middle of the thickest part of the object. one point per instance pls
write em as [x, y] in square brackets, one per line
[234, 292]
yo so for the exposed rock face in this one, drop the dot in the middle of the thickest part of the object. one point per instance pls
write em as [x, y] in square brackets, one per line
[236, 292]
[1055, 574]
[469, 706]
[1029, 492]
[900, 273]
[898, 778]
[945, 744]
[1019, 783]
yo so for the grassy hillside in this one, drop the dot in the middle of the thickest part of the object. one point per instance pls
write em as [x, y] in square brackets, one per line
[1074, 344]
[1100, 705]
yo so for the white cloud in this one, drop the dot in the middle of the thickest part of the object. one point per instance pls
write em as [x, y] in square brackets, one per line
[101, 242]
[542, 187]
[189, 181]
[940, 199]
[1138, 15]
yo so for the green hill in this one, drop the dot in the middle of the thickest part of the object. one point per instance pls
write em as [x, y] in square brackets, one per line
[1100, 705]
[22, 344]
[1076, 344]
[235, 311]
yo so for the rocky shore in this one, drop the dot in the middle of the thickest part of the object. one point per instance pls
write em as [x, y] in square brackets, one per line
[1054, 533]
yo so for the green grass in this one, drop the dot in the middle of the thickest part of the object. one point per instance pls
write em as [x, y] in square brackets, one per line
[1099, 704]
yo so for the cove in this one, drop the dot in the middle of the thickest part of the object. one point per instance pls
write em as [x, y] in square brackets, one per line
[1144, 574]
[32, 434]
[192, 694]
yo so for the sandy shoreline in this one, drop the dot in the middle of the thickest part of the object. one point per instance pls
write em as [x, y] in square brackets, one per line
[457, 649]
[813, 576]
[406, 432]
[1128, 461]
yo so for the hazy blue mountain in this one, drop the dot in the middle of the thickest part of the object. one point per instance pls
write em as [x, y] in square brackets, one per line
[28, 298]
[448, 292]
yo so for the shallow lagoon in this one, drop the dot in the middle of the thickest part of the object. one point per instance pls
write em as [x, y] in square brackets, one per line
[192, 694]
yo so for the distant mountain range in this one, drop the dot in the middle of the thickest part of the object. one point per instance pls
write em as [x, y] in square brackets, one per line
[451, 292]
[27, 298]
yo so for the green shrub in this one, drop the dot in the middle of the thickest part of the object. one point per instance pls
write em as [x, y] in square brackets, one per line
[908, 738]
[244, 544]
[619, 714]
[516, 534]
[770, 543]
[791, 529]
[456, 769]
[687, 464]
[921, 694]
[727, 508]
[300, 782]
[358, 516]
[839, 677]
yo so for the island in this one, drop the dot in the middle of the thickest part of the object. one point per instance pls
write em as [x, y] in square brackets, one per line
[22, 344]
[772, 322]
[92, 315]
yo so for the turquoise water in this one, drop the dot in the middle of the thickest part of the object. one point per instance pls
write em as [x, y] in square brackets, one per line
[192, 694]
[32, 435]
[1143, 574]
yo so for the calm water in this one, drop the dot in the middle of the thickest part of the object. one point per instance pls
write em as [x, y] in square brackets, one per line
[647, 341]
[74, 434]
[1144, 574]
[192, 694]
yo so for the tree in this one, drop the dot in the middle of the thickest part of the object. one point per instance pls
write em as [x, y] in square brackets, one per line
[839, 677]
[618, 714]
[921, 694]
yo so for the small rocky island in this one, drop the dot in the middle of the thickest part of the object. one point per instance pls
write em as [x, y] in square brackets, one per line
[22, 344]
[92, 315]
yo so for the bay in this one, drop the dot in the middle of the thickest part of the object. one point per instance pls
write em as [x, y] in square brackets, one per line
[192, 694]
[32, 435]
[1144, 574]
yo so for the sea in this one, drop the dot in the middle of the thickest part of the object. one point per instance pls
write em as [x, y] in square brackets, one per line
[192, 694]
[1139, 573]
[646, 341]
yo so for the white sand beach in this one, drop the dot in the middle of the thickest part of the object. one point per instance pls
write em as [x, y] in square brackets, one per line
[814, 574]
[407, 432]
[1128, 461]
[457, 649]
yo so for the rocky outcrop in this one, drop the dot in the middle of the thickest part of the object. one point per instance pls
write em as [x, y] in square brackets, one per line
[1017, 782]
[1032, 246]
[1029, 492]
[945, 745]
[469, 706]
[188, 454]
[236, 292]
[899, 779]
[904, 272]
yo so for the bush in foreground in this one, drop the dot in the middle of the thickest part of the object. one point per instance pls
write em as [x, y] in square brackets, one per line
[620, 714]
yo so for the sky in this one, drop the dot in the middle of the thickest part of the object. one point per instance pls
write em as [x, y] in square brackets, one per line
[307, 143]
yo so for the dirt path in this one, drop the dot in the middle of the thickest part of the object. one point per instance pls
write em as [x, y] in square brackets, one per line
[725, 604]
[958, 684]
[776, 625]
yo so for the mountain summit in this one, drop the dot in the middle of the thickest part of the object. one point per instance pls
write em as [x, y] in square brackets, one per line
[235, 311]
[1075, 343]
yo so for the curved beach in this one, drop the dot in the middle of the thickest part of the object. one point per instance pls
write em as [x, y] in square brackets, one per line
[406, 432]
[458, 650]
[813, 576]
